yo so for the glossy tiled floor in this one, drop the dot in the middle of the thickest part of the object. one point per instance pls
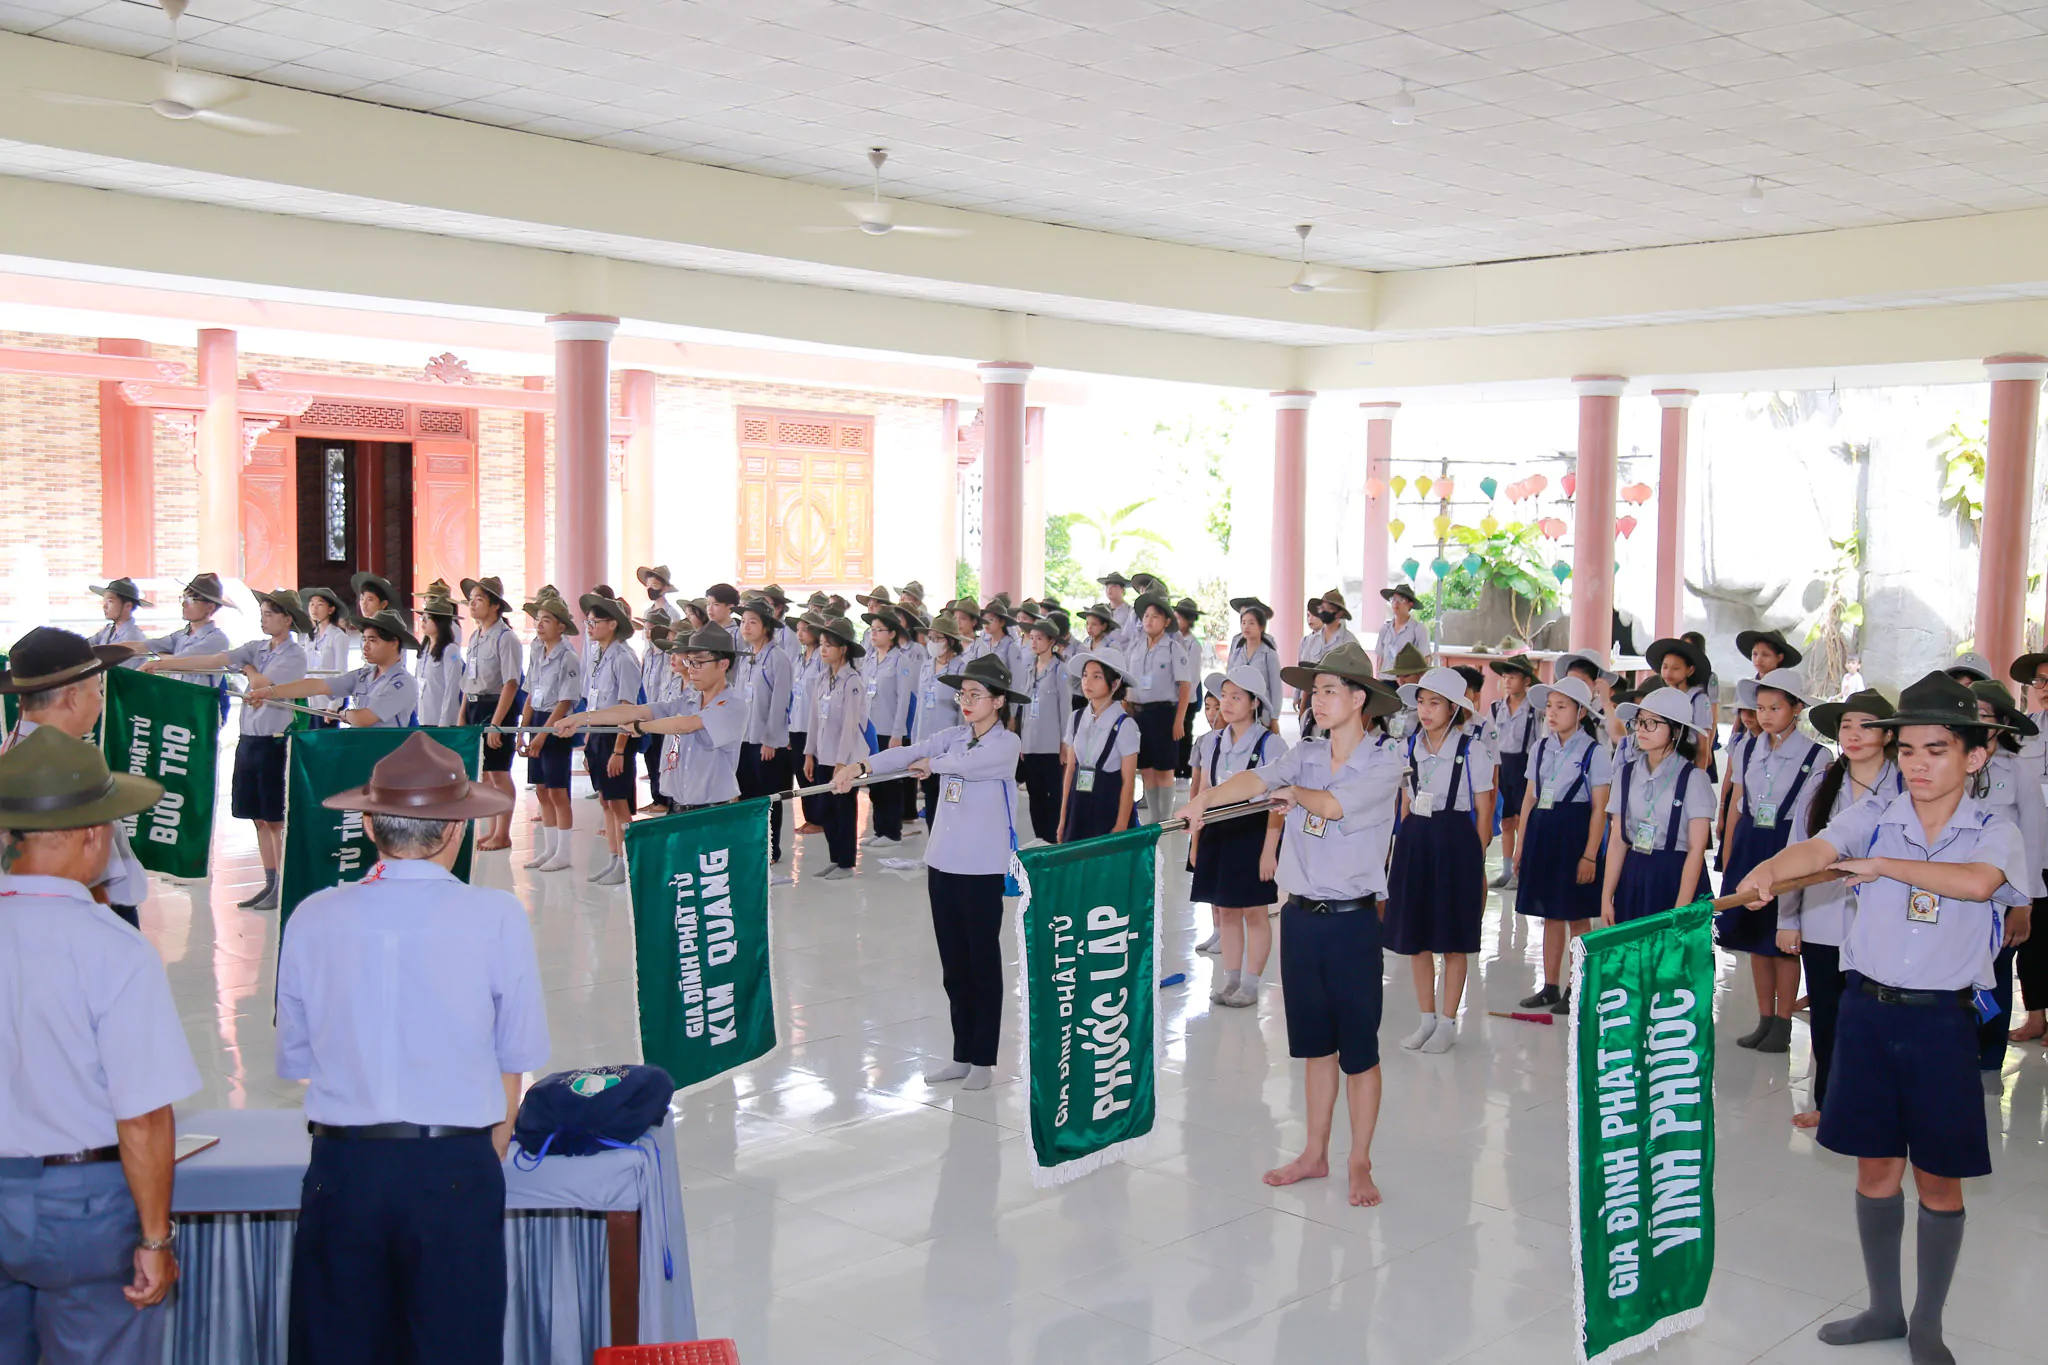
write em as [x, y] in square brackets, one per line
[840, 1210]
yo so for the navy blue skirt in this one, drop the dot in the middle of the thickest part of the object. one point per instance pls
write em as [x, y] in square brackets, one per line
[1513, 781]
[1227, 865]
[1093, 814]
[1649, 883]
[1743, 930]
[1552, 845]
[1436, 886]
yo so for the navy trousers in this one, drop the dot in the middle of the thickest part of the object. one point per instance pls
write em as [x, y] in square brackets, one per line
[400, 1256]
[67, 1247]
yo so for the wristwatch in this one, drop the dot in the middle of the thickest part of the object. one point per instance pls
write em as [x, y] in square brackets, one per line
[163, 1243]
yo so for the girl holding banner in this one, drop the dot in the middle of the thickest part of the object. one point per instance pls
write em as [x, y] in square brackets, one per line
[1935, 874]
[1657, 840]
[968, 855]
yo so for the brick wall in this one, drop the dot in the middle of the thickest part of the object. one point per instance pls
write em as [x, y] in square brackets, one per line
[50, 509]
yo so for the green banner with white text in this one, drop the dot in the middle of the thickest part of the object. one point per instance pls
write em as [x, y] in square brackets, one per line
[1642, 1129]
[323, 847]
[1088, 928]
[700, 930]
[166, 730]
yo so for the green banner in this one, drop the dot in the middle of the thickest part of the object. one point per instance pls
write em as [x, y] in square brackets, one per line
[1089, 931]
[323, 847]
[1642, 1129]
[700, 928]
[166, 730]
[10, 705]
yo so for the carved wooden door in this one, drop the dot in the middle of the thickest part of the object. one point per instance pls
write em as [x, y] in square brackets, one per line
[270, 516]
[444, 513]
[806, 505]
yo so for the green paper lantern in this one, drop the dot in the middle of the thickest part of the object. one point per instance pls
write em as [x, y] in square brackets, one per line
[1562, 570]
[1411, 567]
[1489, 485]
[1440, 566]
[1474, 563]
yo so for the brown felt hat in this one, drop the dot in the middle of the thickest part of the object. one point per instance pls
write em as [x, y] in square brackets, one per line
[207, 587]
[391, 621]
[287, 601]
[379, 585]
[597, 604]
[647, 571]
[425, 780]
[47, 657]
[492, 587]
[123, 588]
[52, 781]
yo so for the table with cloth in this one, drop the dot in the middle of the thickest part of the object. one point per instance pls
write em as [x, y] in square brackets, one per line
[595, 1250]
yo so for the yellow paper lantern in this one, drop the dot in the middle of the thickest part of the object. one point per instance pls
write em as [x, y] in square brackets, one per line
[1395, 529]
[1422, 486]
[1488, 525]
[1443, 527]
[1399, 484]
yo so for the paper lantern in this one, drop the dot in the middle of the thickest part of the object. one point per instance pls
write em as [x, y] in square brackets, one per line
[1399, 484]
[1443, 489]
[1422, 486]
[1562, 570]
[1489, 524]
[1570, 483]
[1440, 566]
[1551, 527]
[1627, 527]
[1411, 567]
[1442, 525]
[1537, 483]
[1637, 493]
[1373, 488]
[1489, 485]
[1396, 527]
[1474, 563]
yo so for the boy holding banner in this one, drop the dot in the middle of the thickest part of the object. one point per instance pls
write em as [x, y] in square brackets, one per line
[1338, 792]
[383, 692]
[1933, 871]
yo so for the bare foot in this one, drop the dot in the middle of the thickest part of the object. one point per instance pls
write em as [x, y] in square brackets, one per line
[2027, 1032]
[1364, 1194]
[1303, 1167]
[808, 828]
[1806, 1118]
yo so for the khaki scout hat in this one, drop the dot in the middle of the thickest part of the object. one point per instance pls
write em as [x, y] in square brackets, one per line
[424, 780]
[52, 781]
[991, 673]
[1350, 662]
[123, 588]
[48, 657]
[287, 601]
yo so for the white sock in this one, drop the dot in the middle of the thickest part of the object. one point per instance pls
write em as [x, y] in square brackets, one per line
[1445, 1036]
[1422, 1033]
[1248, 982]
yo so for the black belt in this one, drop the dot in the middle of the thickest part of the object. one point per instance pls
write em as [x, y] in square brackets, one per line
[1892, 995]
[393, 1130]
[91, 1156]
[1316, 906]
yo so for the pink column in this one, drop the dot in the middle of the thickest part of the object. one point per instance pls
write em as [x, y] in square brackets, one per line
[219, 455]
[583, 434]
[636, 493]
[1593, 518]
[2008, 500]
[1671, 451]
[127, 476]
[534, 442]
[1290, 515]
[1379, 510]
[1002, 477]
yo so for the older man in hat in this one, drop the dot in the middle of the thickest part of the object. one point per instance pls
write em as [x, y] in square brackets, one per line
[258, 790]
[56, 674]
[119, 601]
[92, 1057]
[411, 1002]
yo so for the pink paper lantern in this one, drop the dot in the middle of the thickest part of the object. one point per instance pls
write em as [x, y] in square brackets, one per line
[1570, 484]
[1637, 493]
[1443, 489]
[1551, 528]
[1627, 526]
[1536, 483]
[1373, 488]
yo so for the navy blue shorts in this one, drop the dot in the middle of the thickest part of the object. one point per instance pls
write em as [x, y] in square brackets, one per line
[550, 767]
[478, 711]
[1903, 1082]
[258, 791]
[1157, 749]
[1330, 984]
[597, 755]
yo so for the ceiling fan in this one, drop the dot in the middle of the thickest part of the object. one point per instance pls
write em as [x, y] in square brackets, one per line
[187, 96]
[1301, 283]
[878, 219]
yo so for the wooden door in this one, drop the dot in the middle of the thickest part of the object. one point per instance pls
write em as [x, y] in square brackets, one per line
[806, 504]
[270, 516]
[444, 510]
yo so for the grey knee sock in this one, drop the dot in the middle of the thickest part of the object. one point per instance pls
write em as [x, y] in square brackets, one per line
[1940, 1242]
[1881, 1227]
[1159, 800]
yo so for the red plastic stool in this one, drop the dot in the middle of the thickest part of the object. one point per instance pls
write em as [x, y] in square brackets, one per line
[723, 1351]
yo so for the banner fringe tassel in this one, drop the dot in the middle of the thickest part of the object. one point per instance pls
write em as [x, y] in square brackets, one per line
[1653, 1335]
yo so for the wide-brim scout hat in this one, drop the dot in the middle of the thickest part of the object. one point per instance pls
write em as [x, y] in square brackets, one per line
[1827, 717]
[1350, 662]
[707, 640]
[1241, 605]
[207, 588]
[1410, 660]
[882, 613]
[327, 594]
[2026, 666]
[1110, 657]
[1514, 663]
[764, 607]
[1576, 689]
[654, 618]
[1745, 694]
[1186, 607]
[1595, 659]
[52, 781]
[287, 601]
[1029, 608]
[991, 673]
[613, 610]
[1051, 627]
[1938, 699]
[913, 589]
[441, 608]
[1102, 612]
[722, 592]
[380, 585]
[1051, 603]
[1786, 681]
[1447, 683]
[999, 609]
[877, 596]
[1113, 579]
[439, 588]
[492, 587]
[1152, 599]
[1401, 590]
[817, 601]
[1245, 678]
[389, 622]
[2018, 721]
[554, 606]
[47, 657]
[1334, 600]
[123, 588]
[1975, 664]
[940, 626]
[1684, 649]
[422, 779]
[1749, 639]
[651, 571]
[777, 594]
[1666, 703]
[841, 630]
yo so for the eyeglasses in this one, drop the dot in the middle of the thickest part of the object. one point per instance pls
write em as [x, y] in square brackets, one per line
[1644, 720]
[971, 692]
[700, 660]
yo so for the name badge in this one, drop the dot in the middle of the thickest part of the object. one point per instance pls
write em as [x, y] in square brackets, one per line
[1145, 681]
[1764, 815]
[1084, 780]
[873, 683]
[1423, 803]
[1923, 907]
[1545, 800]
[951, 788]
[1313, 825]
[1645, 837]
[1031, 710]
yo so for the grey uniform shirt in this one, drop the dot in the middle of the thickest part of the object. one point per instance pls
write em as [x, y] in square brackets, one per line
[279, 664]
[556, 676]
[938, 706]
[1042, 720]
[1433, 770]
[702, 767]
[840, 710]
[977, 820]
[1820, 913]
[92, 1033]
[614, 676]
[121, 633]
[126, 881]
[1554, 768]
[326, 657]
[764, 687]
[1157, 670]
[394, 694]
[1511, 731]
[492, 662]
[1651, 796]
[1954, 951]
[803, 681]
[891, 683]
[1343, 859]
[1264, 660]
[1221, 755]
[1102, 739]
[441, 687]
[2011, 792]
[1316, 644]
[1767, 774]
[1392, 637]
[202, 638]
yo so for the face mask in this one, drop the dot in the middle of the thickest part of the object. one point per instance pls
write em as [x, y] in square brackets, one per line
[933, 648]
[654, 594]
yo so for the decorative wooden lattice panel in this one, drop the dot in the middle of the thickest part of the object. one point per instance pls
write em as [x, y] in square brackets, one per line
[366, 417]
[443, 422]
[806, 497]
